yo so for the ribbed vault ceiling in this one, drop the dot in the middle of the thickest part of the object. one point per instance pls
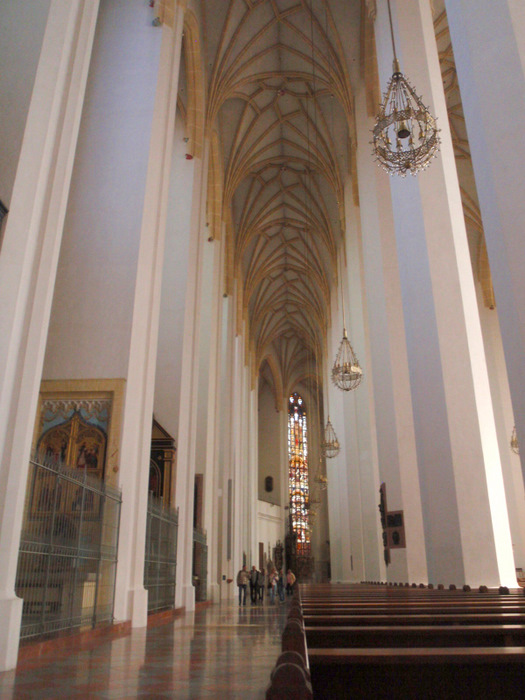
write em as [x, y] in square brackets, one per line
[281, 102]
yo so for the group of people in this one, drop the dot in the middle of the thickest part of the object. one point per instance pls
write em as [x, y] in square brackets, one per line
[259, 581]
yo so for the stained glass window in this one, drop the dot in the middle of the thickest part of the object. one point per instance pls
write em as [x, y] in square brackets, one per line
[298, 472]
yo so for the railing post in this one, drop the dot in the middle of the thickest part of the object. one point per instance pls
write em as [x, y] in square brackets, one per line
[50, 553]
[102, 510]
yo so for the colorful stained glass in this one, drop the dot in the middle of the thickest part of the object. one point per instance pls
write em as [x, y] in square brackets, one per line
[298, 472]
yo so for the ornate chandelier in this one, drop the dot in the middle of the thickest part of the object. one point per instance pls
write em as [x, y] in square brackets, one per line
[346, 372]
[405, 136]
[330, 445]
[514, 444]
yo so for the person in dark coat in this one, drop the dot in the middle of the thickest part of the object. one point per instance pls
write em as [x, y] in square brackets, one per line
[254, 575]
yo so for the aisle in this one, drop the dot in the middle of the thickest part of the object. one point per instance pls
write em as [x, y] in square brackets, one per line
[222, 651]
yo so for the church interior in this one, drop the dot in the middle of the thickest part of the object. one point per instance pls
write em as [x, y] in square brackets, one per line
[260, 271]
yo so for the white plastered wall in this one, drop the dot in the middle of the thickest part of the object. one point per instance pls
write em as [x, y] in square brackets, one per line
[270, 448]
[90, 324]
[21, 34]
[174, 286]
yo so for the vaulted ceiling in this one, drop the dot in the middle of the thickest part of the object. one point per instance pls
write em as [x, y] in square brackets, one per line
[280, 98]
[280, 109]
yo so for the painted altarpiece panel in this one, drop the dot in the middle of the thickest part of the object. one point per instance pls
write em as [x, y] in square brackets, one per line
[78, 425]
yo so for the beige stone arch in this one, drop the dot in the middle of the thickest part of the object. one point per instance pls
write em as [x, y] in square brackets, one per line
[196, 98]
[277, 388]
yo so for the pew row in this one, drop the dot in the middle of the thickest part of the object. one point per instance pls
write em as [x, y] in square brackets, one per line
[426, 674]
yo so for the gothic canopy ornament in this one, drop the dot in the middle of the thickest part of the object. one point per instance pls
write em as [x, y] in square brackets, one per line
[330, 445]
[320, 478]
[346, 372]
[405, 136]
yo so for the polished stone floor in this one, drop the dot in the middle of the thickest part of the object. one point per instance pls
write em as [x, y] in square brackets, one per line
[222, 651]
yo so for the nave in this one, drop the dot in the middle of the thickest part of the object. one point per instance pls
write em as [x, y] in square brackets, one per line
[193, 228]
[218, 651]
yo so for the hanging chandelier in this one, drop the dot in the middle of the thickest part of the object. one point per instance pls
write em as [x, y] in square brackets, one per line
[346, 372]
[330, 445]
[514, 444]
[405, 136]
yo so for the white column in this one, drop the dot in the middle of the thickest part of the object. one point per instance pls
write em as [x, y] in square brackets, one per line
[388, 374]
[213, 485]
[359, 411]
[188, 422]
[230, 552]
[253, 453]
[131, 597]
[28, 263]
[343, 495]
[460, 472]
[240, 526]
[489, 51]
[510, 462]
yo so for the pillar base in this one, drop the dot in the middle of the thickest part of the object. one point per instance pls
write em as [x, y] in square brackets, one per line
[10, 621]
[138, 604]
[214, 592]
[188, 597]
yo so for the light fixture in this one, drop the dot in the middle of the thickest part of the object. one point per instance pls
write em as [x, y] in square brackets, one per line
[405, 136]
[346, 372]
[514, 444]
[330, 445]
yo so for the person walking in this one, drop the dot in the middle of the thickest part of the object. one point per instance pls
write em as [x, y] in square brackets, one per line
[280, 586]
[272, 585]
[262, 582]
[242, 581]
[290, 580]
[254, 575]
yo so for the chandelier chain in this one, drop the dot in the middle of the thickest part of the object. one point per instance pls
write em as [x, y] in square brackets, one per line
[392, 30]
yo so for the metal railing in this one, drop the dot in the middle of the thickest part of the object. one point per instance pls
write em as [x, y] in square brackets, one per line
[160, 559]
[68, 550]
[200, 564]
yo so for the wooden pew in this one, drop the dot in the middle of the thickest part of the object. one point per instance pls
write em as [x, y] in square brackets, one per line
[402, 619]
[419, 673]
[416, 636]
[290, 678]
[413, 643]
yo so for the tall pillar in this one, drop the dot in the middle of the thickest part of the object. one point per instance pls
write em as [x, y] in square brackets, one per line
[229, 554]
[388, 374]
[252, 455]
[240, 526]
[459, 467]
[212, 494]
[28, 264]
[343, 493]
[489, 51]
[131, 598]
[359, 412]
[188, 416]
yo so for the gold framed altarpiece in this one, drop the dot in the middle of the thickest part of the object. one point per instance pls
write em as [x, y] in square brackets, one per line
[78, 425]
